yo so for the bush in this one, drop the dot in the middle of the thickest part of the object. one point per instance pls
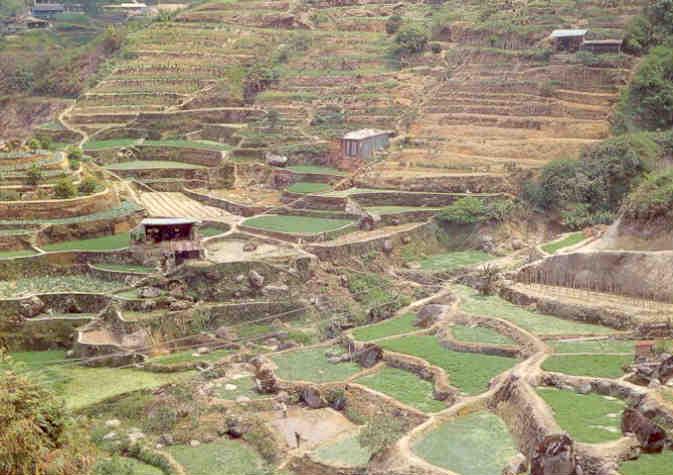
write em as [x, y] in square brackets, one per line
[113, 466]
[88, 185]
[75, 153]
[33, 144]
[65, 189]
[393, 24]
[380, 434]
[653, 198]
[411, 40]
[34, 175]
[472, 210]
[436, 48]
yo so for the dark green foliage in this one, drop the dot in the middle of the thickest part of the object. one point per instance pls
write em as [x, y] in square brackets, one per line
[259, 77]
[65, 189]
[650, 28]
[88, 185]
[393, 24]
[653, 198]
[113, 466]
[472, 210]
[34, 175]
[435, 48]
[411, 40]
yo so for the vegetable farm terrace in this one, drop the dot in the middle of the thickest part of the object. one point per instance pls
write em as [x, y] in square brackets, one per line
[348, 238]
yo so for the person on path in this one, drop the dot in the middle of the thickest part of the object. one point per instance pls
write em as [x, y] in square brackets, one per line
[297, 438]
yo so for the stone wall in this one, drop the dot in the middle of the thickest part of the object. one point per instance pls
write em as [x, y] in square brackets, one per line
[647, 275]
[227, 205]
[319, 237]
[89, 229]
[51, 209]
[418, 198]
[196, 156]
[298, 200]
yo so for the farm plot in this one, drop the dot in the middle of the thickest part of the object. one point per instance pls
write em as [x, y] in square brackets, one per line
[134, 268]
[306, 188]
[64, 283]
[404, 386]
[588, 418]
[596, 346]
[13, 254]
[597, 366]
[152, 165]
[383, 210]
[477, 334]
[175, 204]
[344, 452]
[391, 327]
[104, 243]
[296, 224]
[454, 260]
[189, 356]
[493, 306]
[470, 372]
[312, 365]
[458, 445]
[568, 241]
[316, 169]
[222, 457]
[649, 464]
[133, 467]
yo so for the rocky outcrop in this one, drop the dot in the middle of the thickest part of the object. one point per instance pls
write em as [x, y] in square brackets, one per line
[652, 437]
[555, 455]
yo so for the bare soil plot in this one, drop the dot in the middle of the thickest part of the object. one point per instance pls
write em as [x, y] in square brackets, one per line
[315, 426]
[231, 250]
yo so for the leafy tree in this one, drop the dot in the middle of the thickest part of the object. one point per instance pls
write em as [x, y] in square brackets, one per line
[65, 189]
[411, 40]
[88, 185]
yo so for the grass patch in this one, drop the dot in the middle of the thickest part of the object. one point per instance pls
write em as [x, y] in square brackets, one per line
[597, 366]
[404, 386]
[223, 457]
[244, 387]
[136, 467]
[649, 464]
[477, 334]
[316, 170]
[589, 418]
[454, 260]
[568, 241]
[105, 144]
[200, 144]
[152, 165]
[306, 187]
[541, 324]
[13, 254]
[136, 268]
[458, 445]
[397, 209]
[210, 231]
[344, 452]
[104, 243]
[312, 365]
[296, 224]
[593, 346]
[470, 372]
[189, 355]
[392, 326]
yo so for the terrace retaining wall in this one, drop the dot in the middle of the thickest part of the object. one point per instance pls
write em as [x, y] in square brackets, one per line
[89, 229]
[193, 155]
[227, 205]
[66, 208]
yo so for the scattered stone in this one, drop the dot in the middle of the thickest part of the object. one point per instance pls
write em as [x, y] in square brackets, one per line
[194, 443]
[239, 278]
[256, 280]
[275, 291]
[223, 333]
[652, 437]
[387, 246]
[429, 315]
[275, 160]
[584, 389]
[230, 387]
[555, 455]
[406, 239]
[135, 436]
[203, 350]
[166, 439]
[113, 423]
[249, 247]
[518, 244]
[486, 243]
[179, 305]
[31, 307]
[313, 398]
[516, 465]
[149, 292]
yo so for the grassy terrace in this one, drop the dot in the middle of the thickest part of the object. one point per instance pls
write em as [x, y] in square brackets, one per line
[137, 468]
[312, 365]
[397, 209]
[316, 170]
[593, 346]
[477, 334]
[404, 386]
[64, 283]
[104, 243]
[210, 231]
[128, 142]
[392, 326]
[598, 366]
[454, 260]
[138, 269]
[470, 372]
[243, 387]
[296, 224]
[189, 356]
[649, 464]
[458, 445]
[589, 418]
[344, 452]
[568, 241]
[308, 188]
[73, 382]
[152, 165]
[124, 209]
[222, 457]
[541, 324]
[113, 143]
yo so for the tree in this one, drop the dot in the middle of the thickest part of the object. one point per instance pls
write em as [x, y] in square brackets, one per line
[34, 175]
[65, 189]
[88, 185]
[38, 435]
[411, 40]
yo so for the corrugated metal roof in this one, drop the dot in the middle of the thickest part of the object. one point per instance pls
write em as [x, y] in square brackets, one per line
[167, 221]
[365, 133]
[567, 33]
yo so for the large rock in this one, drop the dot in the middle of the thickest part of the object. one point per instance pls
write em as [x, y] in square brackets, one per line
[516, 465]
[224, 333]
[31, 307]
[256, 279]
[369, 355]
[429, 315]
[555, 455]
[652, 438]
[265, 379]
[275, 160]
[665, 371]
[149, 292]
[313, 398]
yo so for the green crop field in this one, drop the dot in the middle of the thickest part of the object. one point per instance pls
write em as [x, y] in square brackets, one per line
[65, 283]
[244, 387]
[392, 326]
[454, 260]
[649, 464]
[132, 467]
[344, 452]
[222, 457]
[104, 243]
[316, 169]
[295, 224]
[593, 346]
[470, 372]
[396, 209]
[541, 324]
[598, 366]
[152, 165]
[113, 143]
[312, 365]
[210, 231]
[477, 334]
[200, 144]
[404, 386]
[589, 418]
[568, 241]
[136, 268]
[475, 444]
[307, 188]
[189, 355]
[13, 254]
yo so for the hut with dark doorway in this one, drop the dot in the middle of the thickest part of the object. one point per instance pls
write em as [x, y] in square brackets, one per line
[567, 40]
[166, 241]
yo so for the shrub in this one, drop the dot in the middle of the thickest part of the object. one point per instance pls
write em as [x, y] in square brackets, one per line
[33, 144]
[113, 466]
[65, 189]
[411, 40]
[88, 185]
[393, 24]
[653, 198]
[34, 175]
[380, 434]
[436, 48]
[75, 153]
[472, 210]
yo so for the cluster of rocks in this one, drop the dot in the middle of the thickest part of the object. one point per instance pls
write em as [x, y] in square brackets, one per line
[652, 372]
[366, 356]
[555, 455]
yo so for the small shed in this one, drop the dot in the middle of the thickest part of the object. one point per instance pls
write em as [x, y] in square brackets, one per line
[364, 143]
[645, 349]
[168, 241]
[602, 46]
[47, 10]
[568, 40]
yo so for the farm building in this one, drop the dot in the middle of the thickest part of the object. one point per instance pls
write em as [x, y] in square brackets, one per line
[602, 46]
[364, 143]
[168, 241]
[47, 10]
[127, 9]
[568, 40]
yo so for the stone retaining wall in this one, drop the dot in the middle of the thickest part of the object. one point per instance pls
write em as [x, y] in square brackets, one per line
[52, 209]
[326, 236]
[299, 200]
[227, 205]
[193, 155]
[442, 390]
[419, 199]
[306, 465]
[41, 334]
[89, 229]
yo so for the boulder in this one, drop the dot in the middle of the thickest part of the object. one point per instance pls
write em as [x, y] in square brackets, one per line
[388, 246]
[70, 305]
[406, 239]
[652, 438]
[235, 427]
[369, 355]
[31, 307]
[665, 371]
[486, 243]
[265, 379]
[179, 305]
[249, 247]
[275, 160]
[554, 455]
[429, 315]
[223, 333]
[149, 292]
[255, 279]
[369, 222]
[313, 398]
[166, 439]
[516, 465]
